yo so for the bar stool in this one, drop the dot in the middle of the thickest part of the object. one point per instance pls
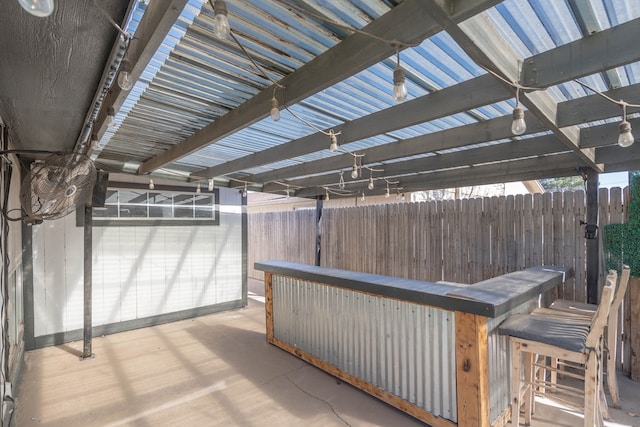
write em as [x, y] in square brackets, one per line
[582, 312]
[531, 335]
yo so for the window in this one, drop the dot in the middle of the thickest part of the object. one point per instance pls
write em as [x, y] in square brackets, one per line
[134, 205]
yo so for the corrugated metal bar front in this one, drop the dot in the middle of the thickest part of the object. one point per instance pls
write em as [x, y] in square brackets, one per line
[403, 348]
[500, 361]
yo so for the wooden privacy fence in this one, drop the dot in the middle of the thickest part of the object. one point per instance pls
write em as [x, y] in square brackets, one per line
[463, 241]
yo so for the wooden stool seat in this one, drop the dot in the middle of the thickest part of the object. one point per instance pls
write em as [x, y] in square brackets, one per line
[532, 335]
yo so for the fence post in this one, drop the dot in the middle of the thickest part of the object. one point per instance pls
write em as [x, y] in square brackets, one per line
[318, 229]
[592, 244]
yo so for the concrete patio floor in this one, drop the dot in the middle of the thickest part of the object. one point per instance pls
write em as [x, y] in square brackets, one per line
[215, 370]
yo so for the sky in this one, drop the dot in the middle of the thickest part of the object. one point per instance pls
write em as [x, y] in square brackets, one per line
[615, 179]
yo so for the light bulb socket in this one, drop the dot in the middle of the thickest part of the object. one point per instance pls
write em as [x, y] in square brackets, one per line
[398, 75]
[151, 184]
[624, 127]
[370, 186]
[334, 143]
[125, 65]
[211, 184]
[274, 103]
[220, 7]
[518, 113]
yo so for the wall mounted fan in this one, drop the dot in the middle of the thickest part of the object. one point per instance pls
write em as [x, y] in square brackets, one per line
[57, 186]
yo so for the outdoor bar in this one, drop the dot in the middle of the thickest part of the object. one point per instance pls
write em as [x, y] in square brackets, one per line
[429, 349]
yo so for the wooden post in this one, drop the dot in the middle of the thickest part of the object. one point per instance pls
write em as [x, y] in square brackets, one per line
[634, 332]
[268, 305]
[472, 370]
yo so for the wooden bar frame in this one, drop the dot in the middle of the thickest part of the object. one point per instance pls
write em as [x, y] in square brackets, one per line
[472, 370]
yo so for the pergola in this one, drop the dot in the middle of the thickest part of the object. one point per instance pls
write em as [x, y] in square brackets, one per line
[200, 108]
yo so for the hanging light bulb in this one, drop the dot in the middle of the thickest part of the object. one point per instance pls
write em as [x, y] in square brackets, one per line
[354, 169]
[39, 8]
[151, 184]
[287, 192]
[111, 117]
[519, 126]
[386, 193]
[221, 28]
[326, 194]
[333, 147]
[362, 198]
[124, 78]
[210, 184]
[341, 182]
[244, 190]
[198, 189]
[625, 137]
[275, 110]
[399, 86]
[370, 186]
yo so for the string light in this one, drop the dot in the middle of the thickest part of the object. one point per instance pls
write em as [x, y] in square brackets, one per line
[275, 110]
[287, 190]
[198, 189]
[518, 126]
[370, 186]
[386, 193]
[326, 194]
[221, 28]
[362, 198]
[341, 181]
[124, 78]
[210, 184]
[354, 169]
[333, 147]
[151, 184]
[399, 86]
[111, 117]
[39, 8]
[244, 190]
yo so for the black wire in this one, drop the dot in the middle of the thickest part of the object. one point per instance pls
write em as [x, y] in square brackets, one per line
[2, 152]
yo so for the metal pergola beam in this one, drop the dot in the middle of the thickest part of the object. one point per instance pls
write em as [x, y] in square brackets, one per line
[475, 133]
[494, 153]
[598, 52]
[594, 107]
[484, 44]
[354, 54]
[157, 21]
[581, 110]
[348, 57]
[562, 116]
[534, 168]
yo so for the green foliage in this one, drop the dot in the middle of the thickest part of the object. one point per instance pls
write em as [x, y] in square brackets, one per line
[622, 241]
[566, 183]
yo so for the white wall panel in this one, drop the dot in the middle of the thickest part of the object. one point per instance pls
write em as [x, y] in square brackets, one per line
[137, 271]
[128, 252]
